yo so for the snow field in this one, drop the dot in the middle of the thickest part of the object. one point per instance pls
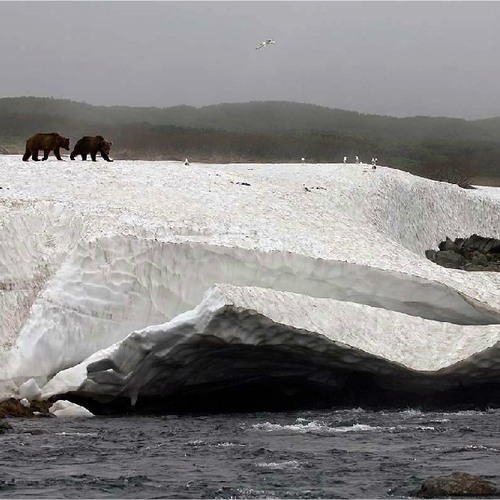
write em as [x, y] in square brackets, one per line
[92, 252]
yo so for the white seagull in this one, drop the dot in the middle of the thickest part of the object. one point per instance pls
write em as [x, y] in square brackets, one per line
[265, 44]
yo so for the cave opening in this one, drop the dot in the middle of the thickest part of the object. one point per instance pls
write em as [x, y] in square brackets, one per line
[236, 379]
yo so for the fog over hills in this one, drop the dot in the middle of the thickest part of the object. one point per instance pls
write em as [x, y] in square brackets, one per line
[261, 116]
[396, 58]
[257, 131]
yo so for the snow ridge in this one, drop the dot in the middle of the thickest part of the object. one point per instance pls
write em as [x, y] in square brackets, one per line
[120, 294]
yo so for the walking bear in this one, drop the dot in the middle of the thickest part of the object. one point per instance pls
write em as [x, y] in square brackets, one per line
[47, 143]
[92, 145]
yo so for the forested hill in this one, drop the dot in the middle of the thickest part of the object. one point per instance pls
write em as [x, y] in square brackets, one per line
[259, 117]
[256, 131]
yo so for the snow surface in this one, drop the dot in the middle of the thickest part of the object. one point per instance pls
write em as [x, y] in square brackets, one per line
[111, 271]
[63, 408]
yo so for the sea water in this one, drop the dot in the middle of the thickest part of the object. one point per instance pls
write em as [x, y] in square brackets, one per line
[304, 454]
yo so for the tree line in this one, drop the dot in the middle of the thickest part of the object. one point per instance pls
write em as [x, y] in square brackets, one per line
[261, 132]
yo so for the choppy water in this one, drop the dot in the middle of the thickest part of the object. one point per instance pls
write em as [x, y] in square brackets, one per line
[308, 454]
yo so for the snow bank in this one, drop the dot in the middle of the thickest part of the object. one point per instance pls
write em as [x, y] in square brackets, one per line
[63, 408]
[208, 344]
[92, 253]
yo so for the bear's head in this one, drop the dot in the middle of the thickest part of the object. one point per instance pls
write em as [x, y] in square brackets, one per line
[105, 146]
[64, 143]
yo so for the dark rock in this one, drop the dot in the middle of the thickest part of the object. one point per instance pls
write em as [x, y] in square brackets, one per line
[476, 242]
[476, 253]
[473, 267]
[491, 267]
[4, 427]
[478, 258]
[447, 245]
[431, 255]
[13, 408]
[448, 258]
[457, 484]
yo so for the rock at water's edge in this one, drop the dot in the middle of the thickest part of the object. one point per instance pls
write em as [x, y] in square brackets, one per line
[4, 427]
[14, 408]
[457, 484]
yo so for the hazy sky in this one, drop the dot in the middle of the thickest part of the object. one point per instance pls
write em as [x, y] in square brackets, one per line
[395, 58]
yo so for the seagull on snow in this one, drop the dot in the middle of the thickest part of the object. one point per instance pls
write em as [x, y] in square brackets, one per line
[265, 44]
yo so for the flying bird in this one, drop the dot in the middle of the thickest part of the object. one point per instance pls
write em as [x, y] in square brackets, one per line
[265, 44]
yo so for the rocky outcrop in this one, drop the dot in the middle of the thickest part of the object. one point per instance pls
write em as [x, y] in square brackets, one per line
[14, 408]
[3, 151]
[457, 484]
[476, 253]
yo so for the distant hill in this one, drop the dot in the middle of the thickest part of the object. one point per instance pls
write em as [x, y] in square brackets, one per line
[261, 117]
[257, 131]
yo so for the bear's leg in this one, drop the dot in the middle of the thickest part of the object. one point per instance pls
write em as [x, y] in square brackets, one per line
[73, 154]
[84, 156]
[93, 156]
[105, 156]
[45, 154]
[35, 155]
[57, 154]
[26, 155]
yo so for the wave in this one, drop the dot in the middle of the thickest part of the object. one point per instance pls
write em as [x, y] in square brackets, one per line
[322, 428]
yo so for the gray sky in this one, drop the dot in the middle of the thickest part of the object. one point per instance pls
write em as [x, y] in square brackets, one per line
[395, 58]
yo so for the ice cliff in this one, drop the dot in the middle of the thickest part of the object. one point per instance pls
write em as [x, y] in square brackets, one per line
[142, 280]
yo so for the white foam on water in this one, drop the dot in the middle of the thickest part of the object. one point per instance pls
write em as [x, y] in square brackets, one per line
[78, 434]
[289, 464]
[317, 428]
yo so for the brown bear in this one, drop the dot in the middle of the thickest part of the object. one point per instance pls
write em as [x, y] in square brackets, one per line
[47, 143]
[92, 145]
